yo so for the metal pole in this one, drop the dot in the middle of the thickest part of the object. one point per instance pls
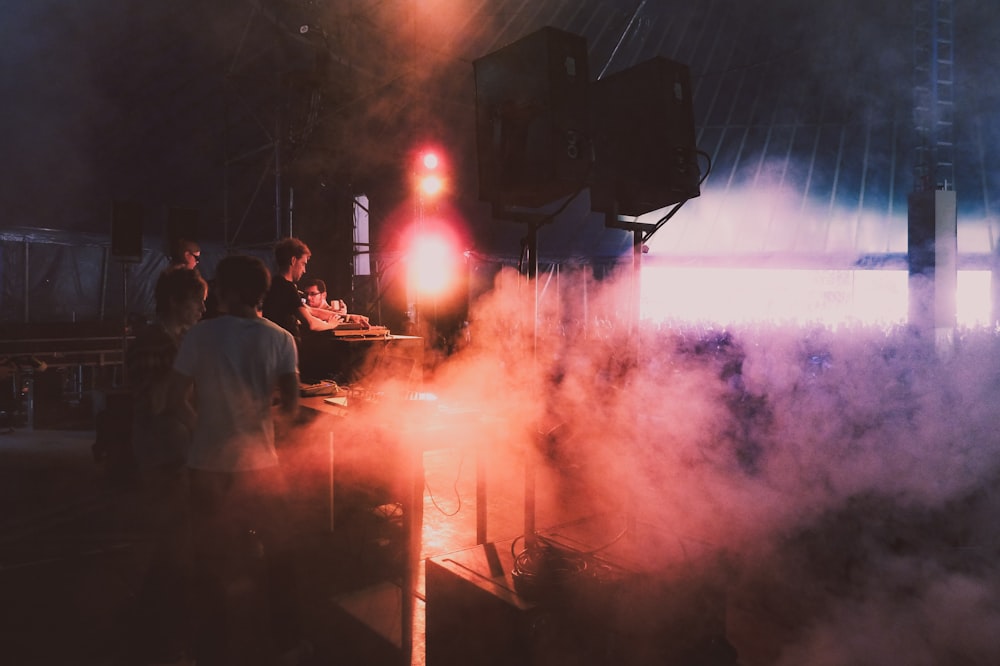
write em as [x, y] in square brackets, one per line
[331, 481]
[530, 540]
[27, 276]
[277, 172]
[124, 322]
[104, 283]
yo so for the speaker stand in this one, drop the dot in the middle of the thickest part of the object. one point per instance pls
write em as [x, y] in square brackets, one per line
[125, 266]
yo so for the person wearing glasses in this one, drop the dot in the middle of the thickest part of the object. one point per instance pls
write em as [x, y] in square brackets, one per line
[186, 253]
[315, 299]
[160, 443]
[283, 305]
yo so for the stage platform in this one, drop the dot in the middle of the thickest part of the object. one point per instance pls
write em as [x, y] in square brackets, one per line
[580, 592]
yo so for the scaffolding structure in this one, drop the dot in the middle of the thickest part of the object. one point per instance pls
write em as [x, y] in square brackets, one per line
[934, 94]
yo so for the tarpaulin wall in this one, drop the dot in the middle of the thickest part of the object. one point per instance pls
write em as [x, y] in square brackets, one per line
[58, 276]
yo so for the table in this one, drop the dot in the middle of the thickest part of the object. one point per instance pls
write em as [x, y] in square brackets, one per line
[323, 355]
[421, 429]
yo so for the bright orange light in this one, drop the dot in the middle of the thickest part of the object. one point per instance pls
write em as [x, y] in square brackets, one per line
[431, 185]
[433, 263]
[430, 173]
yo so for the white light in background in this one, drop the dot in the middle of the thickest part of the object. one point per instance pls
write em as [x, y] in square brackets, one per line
[432, 263]
[431, 185]
[799, 296]
[362, 245]
[973, 305]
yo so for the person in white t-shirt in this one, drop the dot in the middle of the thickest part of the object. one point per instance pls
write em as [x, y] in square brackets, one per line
[236, 364]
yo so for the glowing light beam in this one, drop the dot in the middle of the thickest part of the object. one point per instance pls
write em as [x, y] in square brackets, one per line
[433, 263]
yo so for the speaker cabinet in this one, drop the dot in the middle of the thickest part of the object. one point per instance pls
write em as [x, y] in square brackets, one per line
[473, 613]
[182, 223]
[126, 231]
[532, 119]
[644, 139]
[581, 609]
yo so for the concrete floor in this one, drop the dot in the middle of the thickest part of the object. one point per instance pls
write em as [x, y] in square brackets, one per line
[72, 552]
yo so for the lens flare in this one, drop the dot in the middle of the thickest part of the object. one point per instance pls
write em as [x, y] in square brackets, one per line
[431, 185]
[432, 263]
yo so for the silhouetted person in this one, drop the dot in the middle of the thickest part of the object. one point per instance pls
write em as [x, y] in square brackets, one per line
[283, 304]
[184, 252]
[236, 364]
[160, 444]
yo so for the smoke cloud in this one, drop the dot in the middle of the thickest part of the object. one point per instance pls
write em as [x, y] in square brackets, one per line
[845, 475]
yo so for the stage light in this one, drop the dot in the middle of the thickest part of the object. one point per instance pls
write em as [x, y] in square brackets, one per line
[429, 174]
[431, 185]
[433, 263]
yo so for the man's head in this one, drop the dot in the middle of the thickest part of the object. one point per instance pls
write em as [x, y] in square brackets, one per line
[242, 280]
[185, 253]
[180, 295]
[291, 256]
[315, 291]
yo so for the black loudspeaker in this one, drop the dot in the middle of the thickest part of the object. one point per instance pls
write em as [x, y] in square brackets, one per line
[126, 231]
[644, 139]
[532, 119]
[182, 223]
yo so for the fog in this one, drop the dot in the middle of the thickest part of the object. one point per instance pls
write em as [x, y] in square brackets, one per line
[846, 475]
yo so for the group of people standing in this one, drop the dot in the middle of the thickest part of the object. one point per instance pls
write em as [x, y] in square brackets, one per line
[299, 305]
[207, 394]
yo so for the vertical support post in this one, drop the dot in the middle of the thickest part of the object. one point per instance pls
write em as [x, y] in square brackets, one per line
[530, 540]
[413, 520]
[124, 323]
[933, 261]
[27, 277]
[104, 282]
[277, 170]
[481, 501]
[634, 346]
[995, 287]
[28, 391]
[331, 480]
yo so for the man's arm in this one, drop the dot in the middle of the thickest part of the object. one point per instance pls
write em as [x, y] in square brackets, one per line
[323, 314]
[288, 394]
[314, 323]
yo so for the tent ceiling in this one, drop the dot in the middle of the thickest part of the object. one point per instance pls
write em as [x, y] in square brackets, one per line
[804, 108]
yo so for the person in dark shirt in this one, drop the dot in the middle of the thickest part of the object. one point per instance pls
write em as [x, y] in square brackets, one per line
[180, 302]
[160, 447]
[283, 304]
[186, 253]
